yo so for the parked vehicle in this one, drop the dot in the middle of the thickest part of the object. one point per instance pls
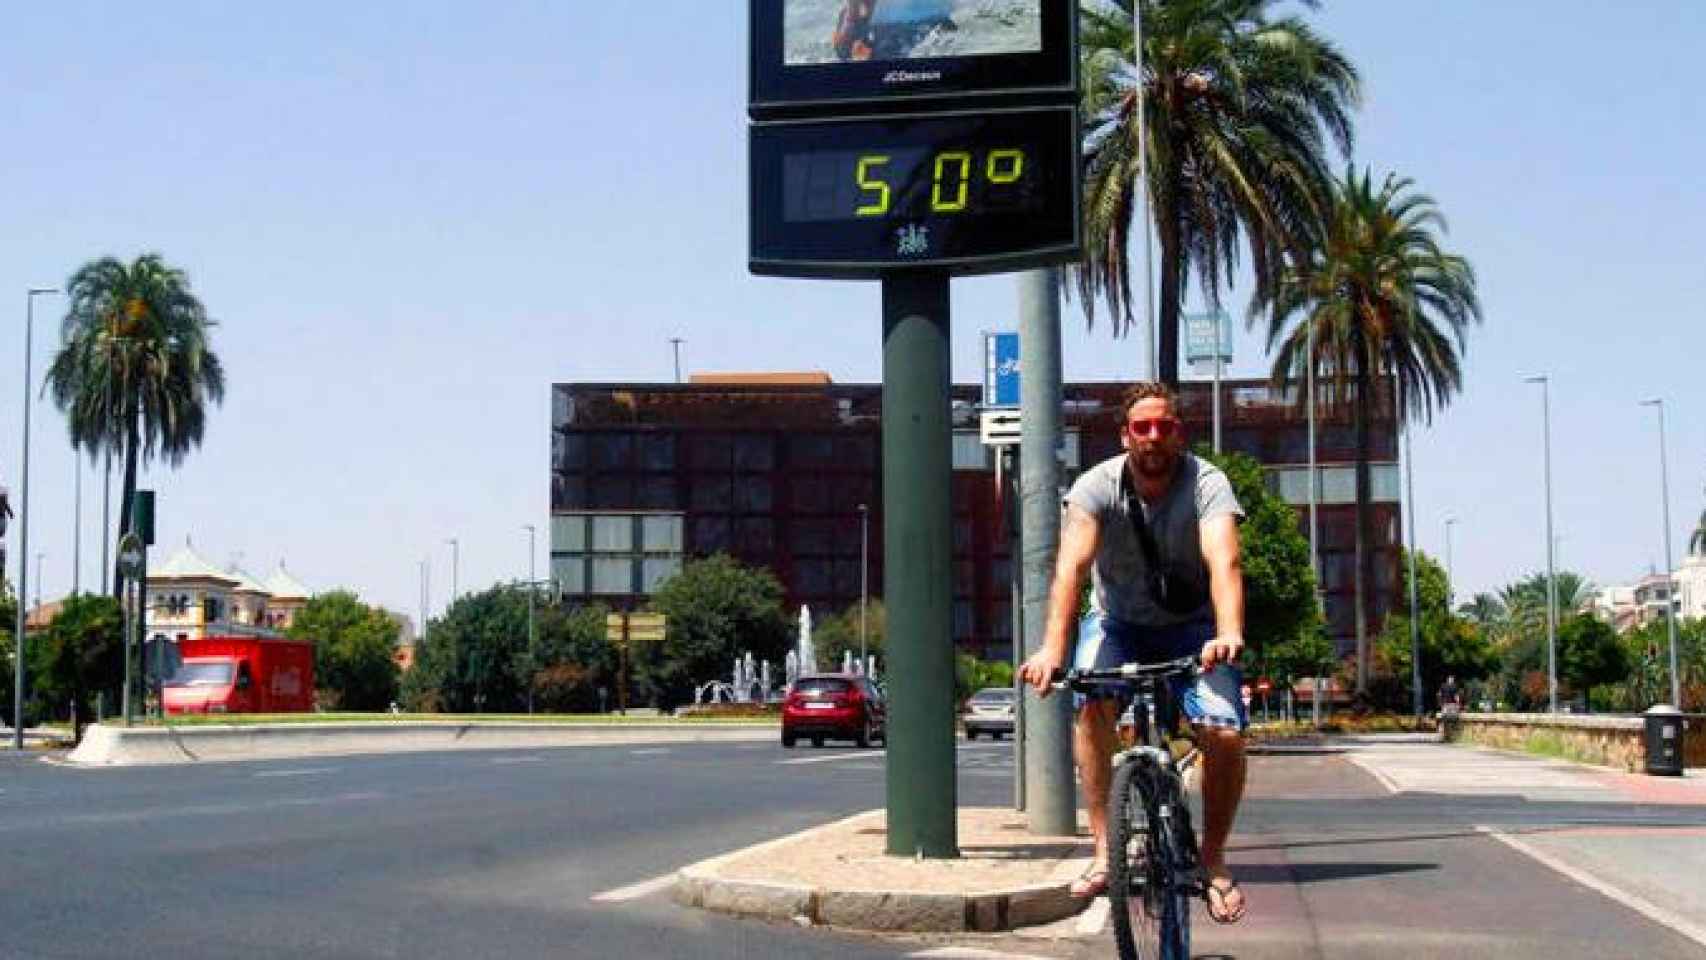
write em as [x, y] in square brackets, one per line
[991, 711]
[241, 674]
[834, 706]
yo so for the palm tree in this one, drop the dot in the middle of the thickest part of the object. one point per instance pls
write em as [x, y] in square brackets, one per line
[1697, 540]
[1237, 109]
[135, 370]
[1384, 300]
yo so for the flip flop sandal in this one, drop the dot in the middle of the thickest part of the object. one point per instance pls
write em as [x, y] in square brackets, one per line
[1093, 882]
[1215, 897]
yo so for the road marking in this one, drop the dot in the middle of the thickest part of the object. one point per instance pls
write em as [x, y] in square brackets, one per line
[973, 953]
[652, 752]
[1091, 921]
[1375, 772]
[635, 891]
[503, 761]
[831, 758]
[301, 772]
[1640, 905]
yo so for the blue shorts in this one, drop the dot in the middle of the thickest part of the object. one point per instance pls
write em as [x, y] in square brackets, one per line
[1213, 699]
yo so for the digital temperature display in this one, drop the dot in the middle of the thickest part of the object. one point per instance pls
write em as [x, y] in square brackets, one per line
[971, 193]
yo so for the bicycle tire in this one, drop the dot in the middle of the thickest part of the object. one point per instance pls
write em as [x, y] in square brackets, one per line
[1151, 911]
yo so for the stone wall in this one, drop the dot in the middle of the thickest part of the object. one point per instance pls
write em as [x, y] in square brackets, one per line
[1610, 741]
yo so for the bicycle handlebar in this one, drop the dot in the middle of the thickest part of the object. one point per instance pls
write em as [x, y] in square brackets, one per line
[1078, 678]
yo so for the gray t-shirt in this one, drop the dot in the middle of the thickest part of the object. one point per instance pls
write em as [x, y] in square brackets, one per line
[1200, 491]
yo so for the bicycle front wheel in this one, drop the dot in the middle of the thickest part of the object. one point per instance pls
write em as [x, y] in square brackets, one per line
[1151, 907]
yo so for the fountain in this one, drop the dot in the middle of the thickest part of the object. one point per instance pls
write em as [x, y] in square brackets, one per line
[808, 656]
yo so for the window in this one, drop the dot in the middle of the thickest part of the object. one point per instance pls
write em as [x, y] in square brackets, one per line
[613, 493]
[568, 491]
[752, 494]
[809, 537]
[713, 494]
[612, 575]
[756, 537]
[613, 534]
[659, 492]
[612, 451]
[569, 450]
[711, 535]
[965, 622]
[569, 573]
[755, 452]
[660, 534]
[568, 534]
[816, 577]
[847, 578]
[811, 450]
[711, 451]
[811, 493]
[657, 451]
[654, 571]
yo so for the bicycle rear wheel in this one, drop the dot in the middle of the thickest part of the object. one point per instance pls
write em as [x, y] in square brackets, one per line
[1151, 908]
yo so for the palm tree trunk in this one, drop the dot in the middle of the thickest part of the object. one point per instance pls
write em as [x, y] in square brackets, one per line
[1172, 293]
[1364, 519]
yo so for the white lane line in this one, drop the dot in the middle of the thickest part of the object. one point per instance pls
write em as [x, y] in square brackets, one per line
[973, 953]
[651, 752]
[1375, 772]
[635, 891]
[1092, 920]
[1652, 911]
[831, 758]
[504, 761]
[300, 772]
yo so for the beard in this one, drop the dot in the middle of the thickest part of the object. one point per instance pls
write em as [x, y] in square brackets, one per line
[1155, 463]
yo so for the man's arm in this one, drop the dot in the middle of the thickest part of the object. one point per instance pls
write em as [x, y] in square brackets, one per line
[1219, 537]
[1079, 537]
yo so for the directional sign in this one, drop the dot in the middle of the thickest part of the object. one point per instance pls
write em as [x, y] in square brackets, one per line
[1000, 369]
[646, 627]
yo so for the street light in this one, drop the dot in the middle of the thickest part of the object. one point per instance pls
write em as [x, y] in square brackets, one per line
[1670, 571]
[864, 581]
[676, 343]
[1551, 578]
[1410, 536]
[455, 563]
[1151, 355]
[1450, 582]
[531, 665]
[30, 296]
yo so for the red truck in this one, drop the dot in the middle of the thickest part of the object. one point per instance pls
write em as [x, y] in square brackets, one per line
[242, 674]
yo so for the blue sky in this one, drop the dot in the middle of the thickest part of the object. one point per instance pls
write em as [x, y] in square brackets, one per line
[411, 218]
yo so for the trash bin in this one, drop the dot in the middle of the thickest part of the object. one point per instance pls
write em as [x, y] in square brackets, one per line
[1664, 741]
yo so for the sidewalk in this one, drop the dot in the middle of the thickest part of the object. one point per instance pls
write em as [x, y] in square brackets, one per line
[839, 875]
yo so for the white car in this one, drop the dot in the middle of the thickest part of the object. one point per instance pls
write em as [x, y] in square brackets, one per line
[991, 711]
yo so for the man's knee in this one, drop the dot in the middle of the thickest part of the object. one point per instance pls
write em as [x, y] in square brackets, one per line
[1220, 741]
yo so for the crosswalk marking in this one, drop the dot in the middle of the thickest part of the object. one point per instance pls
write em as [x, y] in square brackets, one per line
[973, 953]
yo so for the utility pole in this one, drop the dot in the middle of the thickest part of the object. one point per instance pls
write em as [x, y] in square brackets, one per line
[1050, 796]
[676, 343]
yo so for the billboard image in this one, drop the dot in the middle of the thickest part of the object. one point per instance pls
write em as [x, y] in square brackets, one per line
[836, 31]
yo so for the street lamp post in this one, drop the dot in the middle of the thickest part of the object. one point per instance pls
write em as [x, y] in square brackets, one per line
[1670, 571]
[675, 342]
[39, 557]
[455, 564]
[1551, 577]
[1410, 538]
[77, 523]
[24, 528]
[864, 579]
[1450, 580]
[532, 667]
[1151, 355]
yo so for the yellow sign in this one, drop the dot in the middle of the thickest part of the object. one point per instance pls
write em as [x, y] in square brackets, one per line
[641, 628]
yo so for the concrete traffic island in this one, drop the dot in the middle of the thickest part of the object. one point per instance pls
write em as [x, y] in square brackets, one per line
[105, 745]
[839, 875]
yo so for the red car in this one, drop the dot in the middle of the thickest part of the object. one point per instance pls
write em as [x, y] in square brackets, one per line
[834, 706]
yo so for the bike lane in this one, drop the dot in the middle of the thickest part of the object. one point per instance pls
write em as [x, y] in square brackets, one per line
[1338, 860]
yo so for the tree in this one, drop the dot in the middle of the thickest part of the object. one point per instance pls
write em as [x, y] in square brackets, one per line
[8, 623]
[1238, 105]
[475, 657]
[80, 652]
[1381, 297]
[1697, 539]
[135, 370]
[1452, 645]
[354, 650]
[573, 660]
[1281, 615]
[1589, 654]
[838, 634]
[716, 610]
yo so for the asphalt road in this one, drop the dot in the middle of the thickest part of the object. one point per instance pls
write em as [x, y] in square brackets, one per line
[1394, 850]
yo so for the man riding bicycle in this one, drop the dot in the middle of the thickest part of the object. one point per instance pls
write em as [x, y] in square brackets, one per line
[1158, 529]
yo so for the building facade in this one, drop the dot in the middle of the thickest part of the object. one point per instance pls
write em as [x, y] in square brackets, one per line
[785, 472]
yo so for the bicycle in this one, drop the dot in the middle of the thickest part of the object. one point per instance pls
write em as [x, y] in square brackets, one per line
[1154, 868]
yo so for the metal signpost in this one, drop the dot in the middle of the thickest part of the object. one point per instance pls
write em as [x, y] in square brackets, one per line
[875, 155]
[130, 558]
[1202, 332]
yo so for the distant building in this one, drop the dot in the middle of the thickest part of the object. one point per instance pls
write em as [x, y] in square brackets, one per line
[1691, 587]
[190, 597]
[772, 469]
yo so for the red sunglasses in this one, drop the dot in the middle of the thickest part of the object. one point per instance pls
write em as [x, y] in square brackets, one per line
[1162, 427]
